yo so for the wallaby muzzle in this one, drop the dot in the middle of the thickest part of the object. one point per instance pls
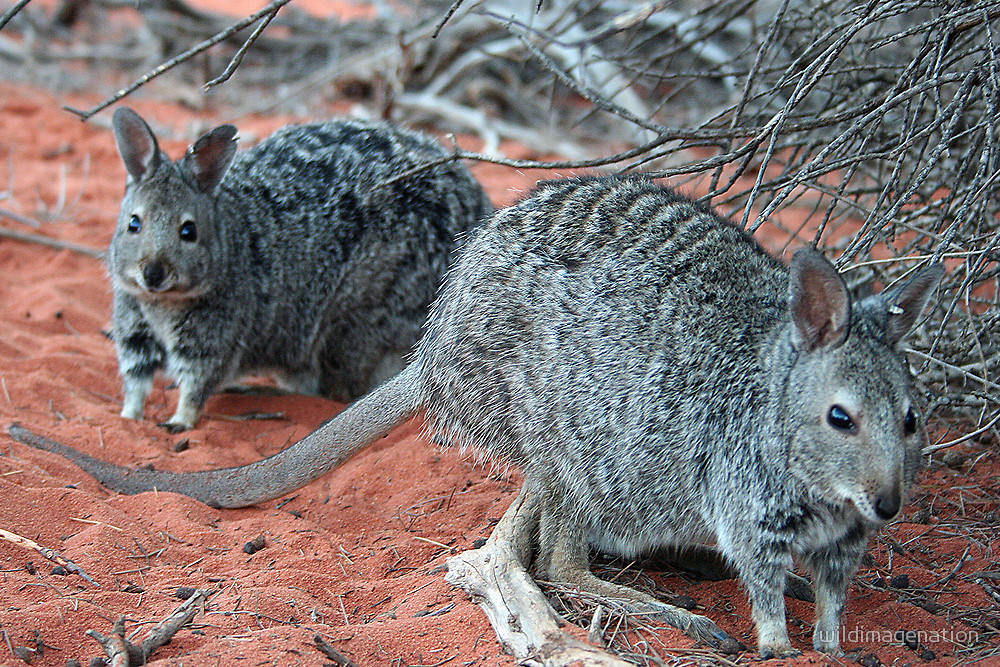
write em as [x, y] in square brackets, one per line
[887, 503]
[154, 275]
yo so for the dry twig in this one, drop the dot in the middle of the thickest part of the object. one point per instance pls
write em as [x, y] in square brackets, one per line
[269, 10]
[10, 13]
[45, 552]
[123, 653]
[48, 242]
[332, 653]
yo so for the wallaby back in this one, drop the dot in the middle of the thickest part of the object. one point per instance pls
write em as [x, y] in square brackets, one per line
[312, 256]
[662, 381]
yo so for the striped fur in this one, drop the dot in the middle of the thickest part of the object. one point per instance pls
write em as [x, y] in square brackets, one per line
[311, 262]
[662, 381]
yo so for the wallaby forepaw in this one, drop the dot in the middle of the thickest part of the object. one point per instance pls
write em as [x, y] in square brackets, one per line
[175, 427]
[184, 417]
[768, 652]
[830, 648]
[131, 413]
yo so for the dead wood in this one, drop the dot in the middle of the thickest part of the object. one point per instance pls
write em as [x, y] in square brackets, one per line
[38, 239]
[332, 653]
[123, 653]
[50, 554]
[10, 13]
[267, 12]
[496, 579]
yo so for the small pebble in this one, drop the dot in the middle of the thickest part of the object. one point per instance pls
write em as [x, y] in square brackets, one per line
[731, 646]
[60, 570]
[900, 581]
[255, 545]
[180, 445]
[184, 592]
[684, 602]
[927, 655]
[955, 459]
[930, 606]
[910, 640]
[479, 543]
[30, 567]
[870, 660]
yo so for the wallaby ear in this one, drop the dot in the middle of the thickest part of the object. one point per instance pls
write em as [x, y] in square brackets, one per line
[905, 304]
[208, 159]
[136, 144]
[819, 302]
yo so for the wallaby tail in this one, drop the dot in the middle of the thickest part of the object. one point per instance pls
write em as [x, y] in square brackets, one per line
[360, 424]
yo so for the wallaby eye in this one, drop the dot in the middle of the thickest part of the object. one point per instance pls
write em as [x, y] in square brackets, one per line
[134, 224]
[910, 423]
[188, 231]
[839, 419]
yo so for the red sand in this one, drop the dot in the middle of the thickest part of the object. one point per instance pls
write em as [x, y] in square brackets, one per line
[356, 556]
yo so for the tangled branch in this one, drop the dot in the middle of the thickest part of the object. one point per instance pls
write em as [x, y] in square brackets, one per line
[875, 121]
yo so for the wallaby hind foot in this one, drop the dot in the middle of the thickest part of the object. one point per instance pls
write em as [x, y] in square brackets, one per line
[563, 554]
[518, 531]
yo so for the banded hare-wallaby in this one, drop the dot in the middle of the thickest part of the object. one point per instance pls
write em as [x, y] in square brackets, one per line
[662, 381]
[306, 257]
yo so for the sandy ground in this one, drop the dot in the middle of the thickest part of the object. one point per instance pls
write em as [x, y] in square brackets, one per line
[358, 555]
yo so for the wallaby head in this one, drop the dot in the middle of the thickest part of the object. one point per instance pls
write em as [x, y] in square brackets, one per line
[168, 244]
[853, 418]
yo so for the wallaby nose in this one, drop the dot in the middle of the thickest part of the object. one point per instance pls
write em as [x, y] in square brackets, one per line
[153, 274]
[887, 504]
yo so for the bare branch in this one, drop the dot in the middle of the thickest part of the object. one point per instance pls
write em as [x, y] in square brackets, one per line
[238, 58]
[173, 62]
[12, 12]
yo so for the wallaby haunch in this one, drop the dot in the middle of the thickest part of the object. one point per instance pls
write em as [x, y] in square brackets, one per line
[312, 256]
[661, 380]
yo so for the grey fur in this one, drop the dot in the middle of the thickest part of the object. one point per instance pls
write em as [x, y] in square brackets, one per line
[306, 262]
[662, 381]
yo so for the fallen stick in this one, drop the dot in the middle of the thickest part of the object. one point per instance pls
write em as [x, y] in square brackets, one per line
[38, 239]
[115, 646]
[164, 631]
[9, 14]
[50, 554]
[123, 653]
[332, 653]
[23, 219]
[525, 624]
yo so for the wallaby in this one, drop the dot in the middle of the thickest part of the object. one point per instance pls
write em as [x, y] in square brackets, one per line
[312, 256]
[661, 381]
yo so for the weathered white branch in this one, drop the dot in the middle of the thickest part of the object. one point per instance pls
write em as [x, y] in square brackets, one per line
[526, 625]
[496, 579]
